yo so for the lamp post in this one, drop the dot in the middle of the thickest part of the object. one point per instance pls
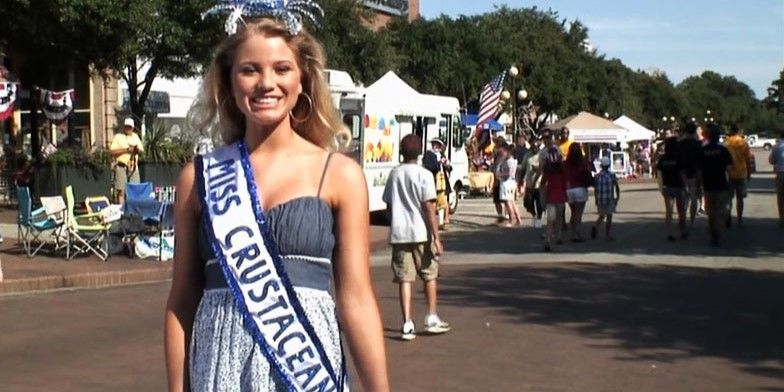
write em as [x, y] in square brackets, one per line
[513, 73]
[708, 117]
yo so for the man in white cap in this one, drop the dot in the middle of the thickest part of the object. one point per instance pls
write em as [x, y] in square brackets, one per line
[126, 148]
[437, 163]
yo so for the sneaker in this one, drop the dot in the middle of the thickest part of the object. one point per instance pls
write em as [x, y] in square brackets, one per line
[408, 332]
[1, 239]
[434, 324]
[537, 223]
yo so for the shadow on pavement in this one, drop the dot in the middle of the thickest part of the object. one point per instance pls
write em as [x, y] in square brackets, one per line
[651, 313]
[643, 236]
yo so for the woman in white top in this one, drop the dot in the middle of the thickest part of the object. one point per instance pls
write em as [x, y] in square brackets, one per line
[508, 185]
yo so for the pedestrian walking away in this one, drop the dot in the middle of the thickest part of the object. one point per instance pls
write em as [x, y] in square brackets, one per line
[607, 193]
[776, 159]
[275, 214]
[715, 161]
[532, 198]
[739, 172]
[673, 183]
[519, 154]
[554, 184]
[579, 177]
[416, 244]
[508, 185]
[689, 153]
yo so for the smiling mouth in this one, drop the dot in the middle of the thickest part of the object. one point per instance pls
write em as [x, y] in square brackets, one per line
[264, 101]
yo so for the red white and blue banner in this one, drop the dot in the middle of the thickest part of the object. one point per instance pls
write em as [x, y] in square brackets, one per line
[57, 105]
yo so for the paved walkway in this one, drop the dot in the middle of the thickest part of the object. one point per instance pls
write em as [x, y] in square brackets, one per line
[474, 238]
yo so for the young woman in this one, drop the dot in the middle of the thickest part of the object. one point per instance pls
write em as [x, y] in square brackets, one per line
[554, 185]
[673, 187]
[578, 174]
[508, 184]
[283, 192]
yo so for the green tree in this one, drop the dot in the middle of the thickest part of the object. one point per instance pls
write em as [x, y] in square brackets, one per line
[350, 44]
[139, 40]
[775, 98]
[729, 100]
[143, 39]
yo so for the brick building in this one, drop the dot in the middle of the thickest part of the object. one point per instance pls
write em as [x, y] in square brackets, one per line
[388, 9]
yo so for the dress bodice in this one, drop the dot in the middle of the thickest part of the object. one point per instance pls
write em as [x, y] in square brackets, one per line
[302, 228]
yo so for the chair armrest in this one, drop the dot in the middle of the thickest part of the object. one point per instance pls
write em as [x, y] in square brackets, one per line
[38, 211]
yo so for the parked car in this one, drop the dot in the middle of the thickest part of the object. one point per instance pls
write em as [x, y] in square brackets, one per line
[760, 141]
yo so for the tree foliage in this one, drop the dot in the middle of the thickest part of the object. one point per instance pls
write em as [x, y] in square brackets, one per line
[138, 40]
[443, 55]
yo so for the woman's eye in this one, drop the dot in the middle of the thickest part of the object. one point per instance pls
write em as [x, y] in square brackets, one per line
[282, 69]
[247, 70]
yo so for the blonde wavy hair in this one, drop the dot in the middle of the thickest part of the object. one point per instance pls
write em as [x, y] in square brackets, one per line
[216, 113]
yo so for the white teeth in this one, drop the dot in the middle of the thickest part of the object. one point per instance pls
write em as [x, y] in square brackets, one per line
[265, 101]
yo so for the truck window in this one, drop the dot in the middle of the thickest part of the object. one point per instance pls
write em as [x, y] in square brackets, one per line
[354, 124]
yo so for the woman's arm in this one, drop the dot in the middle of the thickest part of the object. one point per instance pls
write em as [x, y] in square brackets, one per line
[356, 301]
[187, 283]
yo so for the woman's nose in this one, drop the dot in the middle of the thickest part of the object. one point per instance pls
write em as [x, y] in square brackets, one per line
[266, 81]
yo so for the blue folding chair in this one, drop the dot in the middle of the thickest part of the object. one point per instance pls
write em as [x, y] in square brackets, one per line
[139, 191]
[32, 224]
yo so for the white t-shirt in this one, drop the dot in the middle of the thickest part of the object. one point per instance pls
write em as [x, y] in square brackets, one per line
[407, 187]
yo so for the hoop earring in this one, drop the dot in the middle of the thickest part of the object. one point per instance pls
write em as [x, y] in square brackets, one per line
[310, 110]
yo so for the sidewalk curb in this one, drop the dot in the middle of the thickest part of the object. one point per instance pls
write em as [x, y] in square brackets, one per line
[86, 280]
[39, 284]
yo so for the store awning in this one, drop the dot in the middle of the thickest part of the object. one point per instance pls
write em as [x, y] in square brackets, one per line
[471, 119]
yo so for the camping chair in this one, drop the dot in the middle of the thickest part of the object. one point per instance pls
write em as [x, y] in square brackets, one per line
[139, 191]
[86, 233]
[158, 217]
[166, 222]
[32, 224]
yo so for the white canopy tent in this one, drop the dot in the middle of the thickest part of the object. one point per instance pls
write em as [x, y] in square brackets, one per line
[636, 131]
[585, 127]
[392, 94]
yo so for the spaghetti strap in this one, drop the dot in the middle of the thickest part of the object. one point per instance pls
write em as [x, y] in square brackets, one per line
[323, 174]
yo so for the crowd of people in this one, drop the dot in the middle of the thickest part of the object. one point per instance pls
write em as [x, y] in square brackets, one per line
[696, 173]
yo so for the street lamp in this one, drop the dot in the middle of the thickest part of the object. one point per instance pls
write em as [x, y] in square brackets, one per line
[513, 72]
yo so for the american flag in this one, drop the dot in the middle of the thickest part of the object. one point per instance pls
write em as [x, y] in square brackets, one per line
[488, 100]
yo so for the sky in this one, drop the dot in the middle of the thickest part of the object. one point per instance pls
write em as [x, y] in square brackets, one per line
[741, 38]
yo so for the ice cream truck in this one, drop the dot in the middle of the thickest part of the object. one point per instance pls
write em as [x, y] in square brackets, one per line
[379, 115]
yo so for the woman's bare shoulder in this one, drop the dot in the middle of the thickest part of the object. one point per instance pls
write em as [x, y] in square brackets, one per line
[344, 179]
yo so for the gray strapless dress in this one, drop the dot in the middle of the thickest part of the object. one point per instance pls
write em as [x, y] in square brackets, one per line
[224, 357]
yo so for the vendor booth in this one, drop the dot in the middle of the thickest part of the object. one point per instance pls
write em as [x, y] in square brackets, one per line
[638, 145]
[600, 137]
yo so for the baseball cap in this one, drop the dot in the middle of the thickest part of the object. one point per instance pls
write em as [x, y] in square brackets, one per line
[129, 122]
[437, 140]
[605, 162]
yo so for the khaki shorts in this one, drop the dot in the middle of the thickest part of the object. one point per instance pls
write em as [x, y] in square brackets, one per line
[410, 260]
[442, 201]
[738, 187]
[122, 177]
